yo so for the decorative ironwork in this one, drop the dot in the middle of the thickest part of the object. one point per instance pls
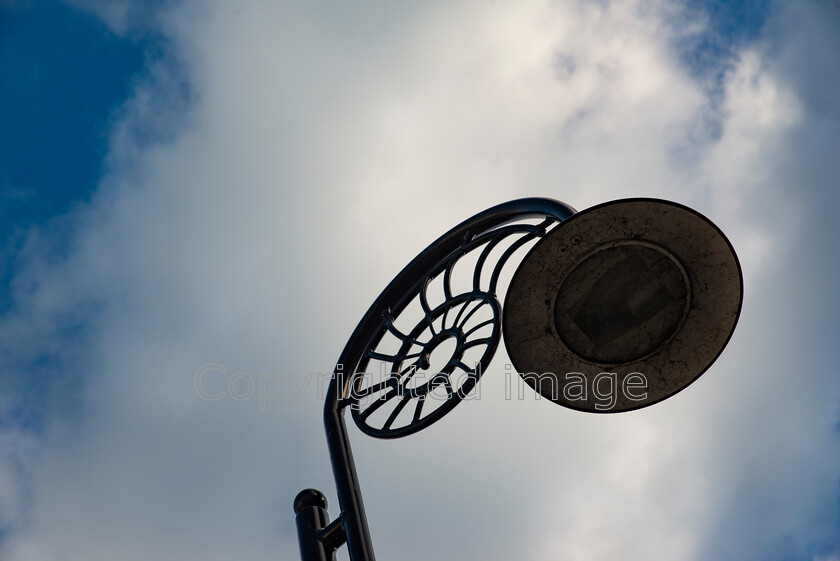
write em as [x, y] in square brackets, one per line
[411, 383]
[397, 383]
[442, 302]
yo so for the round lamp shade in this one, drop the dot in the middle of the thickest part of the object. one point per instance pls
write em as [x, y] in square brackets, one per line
[622, 305]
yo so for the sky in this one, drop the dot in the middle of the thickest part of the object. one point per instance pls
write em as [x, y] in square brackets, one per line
[224, 187]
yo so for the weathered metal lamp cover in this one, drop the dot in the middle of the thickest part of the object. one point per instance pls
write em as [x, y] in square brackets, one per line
[638, 294]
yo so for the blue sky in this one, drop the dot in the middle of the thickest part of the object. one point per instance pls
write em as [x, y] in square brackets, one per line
[194, 183]
[65, 76]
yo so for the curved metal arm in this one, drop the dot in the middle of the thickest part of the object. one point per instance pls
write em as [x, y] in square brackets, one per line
[411, 281]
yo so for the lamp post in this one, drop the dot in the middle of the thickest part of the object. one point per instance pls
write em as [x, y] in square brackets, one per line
[638, 294]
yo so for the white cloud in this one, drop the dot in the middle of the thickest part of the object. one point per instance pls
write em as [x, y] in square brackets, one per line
[323, 148]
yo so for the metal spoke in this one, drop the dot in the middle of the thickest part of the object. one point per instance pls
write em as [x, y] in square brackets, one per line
[377, 404]
[475, 343]
[469, 315]
[418, 410]
[411, 371]
[448, 385]
[372, 389]
[424, 303]
[479, 326]
[447, 281]
[390, 358]
[463, 366]
[389, 325]
[396, 412]
[479, 266]
[497, 270]
[461, 311]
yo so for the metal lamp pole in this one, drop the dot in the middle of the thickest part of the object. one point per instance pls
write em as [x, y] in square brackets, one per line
[470, 316]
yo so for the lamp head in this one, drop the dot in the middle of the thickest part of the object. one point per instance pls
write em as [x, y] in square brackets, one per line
[622, 305]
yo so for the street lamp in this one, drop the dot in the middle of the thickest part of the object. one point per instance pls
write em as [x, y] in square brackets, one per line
[638, 296]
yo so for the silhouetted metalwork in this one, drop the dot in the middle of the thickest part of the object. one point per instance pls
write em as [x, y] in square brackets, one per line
[388, 374]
